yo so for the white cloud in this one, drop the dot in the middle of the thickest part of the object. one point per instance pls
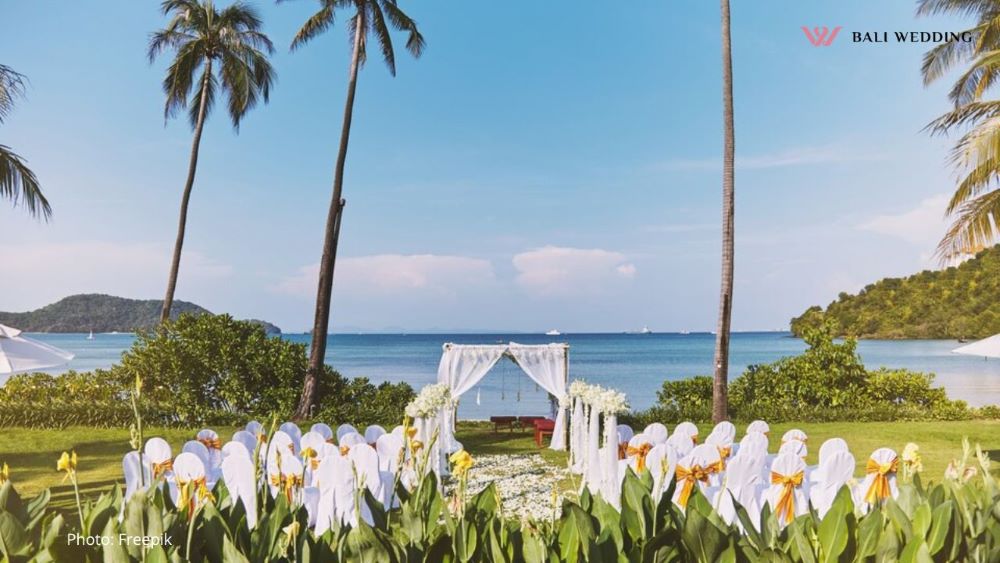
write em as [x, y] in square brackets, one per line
[922, 225]
[559, 271]
[799, 156]
[387, 274]
[128, 269]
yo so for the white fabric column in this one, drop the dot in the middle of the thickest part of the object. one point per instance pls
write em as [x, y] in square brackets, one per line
[546, 365]
[611, 486]
[576, 430]
[462, 367]
[592, 451]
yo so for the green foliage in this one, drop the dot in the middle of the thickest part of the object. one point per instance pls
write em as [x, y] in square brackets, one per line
[100, 313]
[199, 369]
[957, 302]
[956, 520]
[827, 382]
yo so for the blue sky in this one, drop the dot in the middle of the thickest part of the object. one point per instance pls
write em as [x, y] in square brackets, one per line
[544, 164]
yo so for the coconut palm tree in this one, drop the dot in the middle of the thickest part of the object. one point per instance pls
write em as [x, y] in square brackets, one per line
[720, 399]
[224, 49]
[371, 18]
[975, 204]
[17, 182]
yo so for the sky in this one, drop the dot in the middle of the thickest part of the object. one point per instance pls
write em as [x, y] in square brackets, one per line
[543, 165]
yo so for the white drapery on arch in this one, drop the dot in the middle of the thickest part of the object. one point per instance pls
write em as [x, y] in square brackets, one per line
[462, 366]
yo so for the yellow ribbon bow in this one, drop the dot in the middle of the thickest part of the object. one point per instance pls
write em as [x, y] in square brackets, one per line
[287, 484]
[694, 438]
[344, 450]
[623, 450]
[162, 467]
[785, 509]
[640, 454]
[210, 443]
[879, 489]
[687, 478]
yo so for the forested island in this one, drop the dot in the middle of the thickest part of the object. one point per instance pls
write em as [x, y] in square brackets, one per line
[961, 302]
[103, 313]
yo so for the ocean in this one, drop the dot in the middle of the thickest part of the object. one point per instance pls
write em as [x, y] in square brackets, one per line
[634, 363]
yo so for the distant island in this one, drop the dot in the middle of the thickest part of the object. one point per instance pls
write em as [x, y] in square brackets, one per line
[961, 302]
[103, 313]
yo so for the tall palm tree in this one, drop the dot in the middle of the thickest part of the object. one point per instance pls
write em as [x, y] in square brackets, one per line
[720, 395]
[370, 18]
[17, 182]
[975, 205]
[228, 49]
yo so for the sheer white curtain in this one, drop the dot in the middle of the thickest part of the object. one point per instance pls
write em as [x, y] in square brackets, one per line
[592, 465]
[546, 365]
[577, 427]
[462, 367]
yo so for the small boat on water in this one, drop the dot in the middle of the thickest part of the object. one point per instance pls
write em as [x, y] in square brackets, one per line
[553, 332]
[645, 330]
[90, 336]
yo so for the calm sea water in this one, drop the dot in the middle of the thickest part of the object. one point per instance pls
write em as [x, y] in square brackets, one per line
[636, 364]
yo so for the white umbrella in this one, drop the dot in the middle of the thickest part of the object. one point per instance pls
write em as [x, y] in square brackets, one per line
[985, 348]
[21, 354]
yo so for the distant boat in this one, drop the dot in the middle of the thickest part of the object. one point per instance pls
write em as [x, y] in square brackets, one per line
[685, 332]
[90, 336]
[645, 330]
[553, 332]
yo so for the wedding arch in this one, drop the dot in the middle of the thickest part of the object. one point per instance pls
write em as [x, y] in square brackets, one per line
[464, 365]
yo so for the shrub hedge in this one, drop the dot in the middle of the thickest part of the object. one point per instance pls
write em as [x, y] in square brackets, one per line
[198, 370]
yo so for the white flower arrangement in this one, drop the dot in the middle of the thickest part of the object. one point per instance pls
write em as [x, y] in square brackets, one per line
[430, 400]
[607, 401]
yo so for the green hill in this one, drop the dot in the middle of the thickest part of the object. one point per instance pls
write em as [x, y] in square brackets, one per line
[957, 302]
[102, 313]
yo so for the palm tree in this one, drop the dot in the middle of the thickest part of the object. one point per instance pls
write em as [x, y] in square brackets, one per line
[229, 50]
[370, 18]
[720, 399]
[975, 205]
[17, 182]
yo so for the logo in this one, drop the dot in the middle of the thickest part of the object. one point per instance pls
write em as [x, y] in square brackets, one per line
[821, 36]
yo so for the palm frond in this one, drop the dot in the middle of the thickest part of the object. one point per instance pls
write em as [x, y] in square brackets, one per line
[207, 89]
[180, 76]
[382, 35]
[974, 227]
[954, 7]
[11, 88]
[974, 82]
[964, 115]
[316, 24]
[19, 185]
[943, 57]
[414, 41]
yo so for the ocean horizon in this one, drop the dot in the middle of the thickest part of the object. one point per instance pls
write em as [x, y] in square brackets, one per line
[634, 363]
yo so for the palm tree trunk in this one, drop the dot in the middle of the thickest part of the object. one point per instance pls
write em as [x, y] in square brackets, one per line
[720, 399]
[175, 264]
[321, 323]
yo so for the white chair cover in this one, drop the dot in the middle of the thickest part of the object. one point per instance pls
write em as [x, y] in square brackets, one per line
[704, 457]
[681, 443]
[134, 473]
[742, 484]
[248, 439]
[794, 447]
[657, 432]
[323, 430]
[625, 434]
[372, 433]
[832, 474]
[389, 448]
[724, 432]
[234, 448]
[255, 428]
[759, 426]
[794, 434]
[351, 440]
[754, 443]
[293, 431]
[788, 465]
[880, 457]
[830, 447]
[345, 429]
[238, 474]
[687, 429]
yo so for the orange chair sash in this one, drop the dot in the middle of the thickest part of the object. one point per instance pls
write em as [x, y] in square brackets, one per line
[879, 490]
[640, 454]
[785, 509]
[687, 478]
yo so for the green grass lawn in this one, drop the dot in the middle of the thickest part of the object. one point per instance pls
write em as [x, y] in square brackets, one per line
[32, 454]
